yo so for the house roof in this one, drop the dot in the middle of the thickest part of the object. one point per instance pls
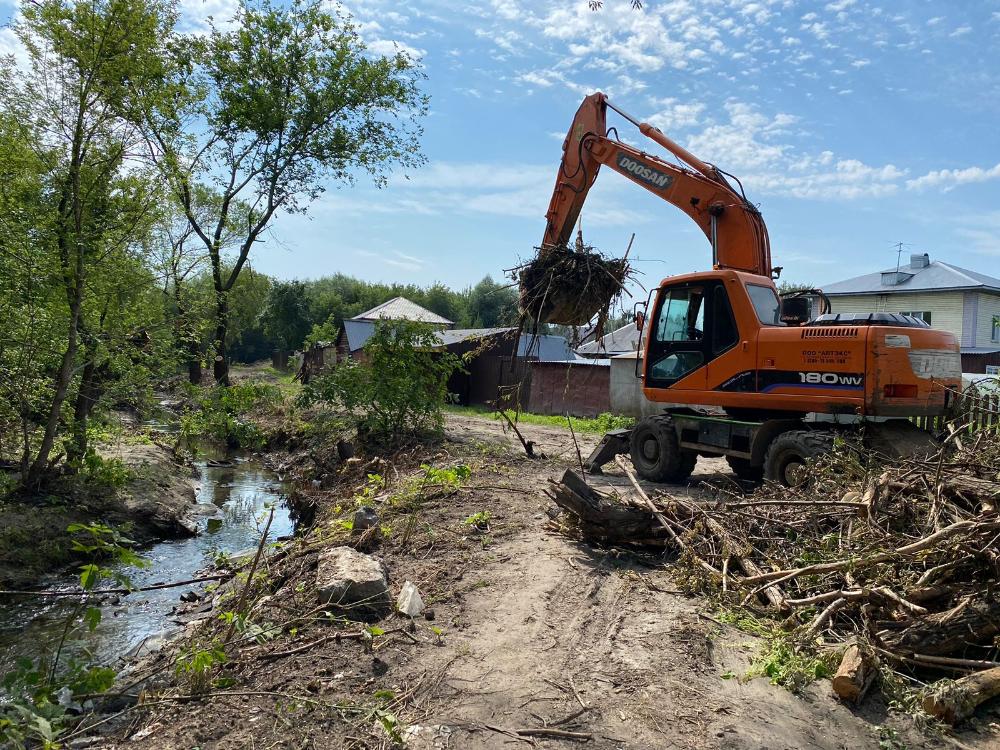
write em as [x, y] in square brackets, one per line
[625, 339]
[545, 347]
[400, 308]
[936, 276]
[358, 332]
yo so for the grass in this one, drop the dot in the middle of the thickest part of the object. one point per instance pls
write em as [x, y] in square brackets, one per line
[598, 425]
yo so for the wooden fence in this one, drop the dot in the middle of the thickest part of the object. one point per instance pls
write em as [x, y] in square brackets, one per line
[973, 411]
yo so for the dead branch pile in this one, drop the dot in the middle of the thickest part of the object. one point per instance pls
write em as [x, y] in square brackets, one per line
[570, 286]
[899, 561]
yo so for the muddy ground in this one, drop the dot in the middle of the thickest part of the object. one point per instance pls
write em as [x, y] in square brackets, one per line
[155, 502]
[531, 630]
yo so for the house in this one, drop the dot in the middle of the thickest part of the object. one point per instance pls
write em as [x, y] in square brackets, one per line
[495, 364]
[621, 341]
[949, 298]
[359, 329]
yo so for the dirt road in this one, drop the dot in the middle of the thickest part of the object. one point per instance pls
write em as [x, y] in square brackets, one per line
[536, 640]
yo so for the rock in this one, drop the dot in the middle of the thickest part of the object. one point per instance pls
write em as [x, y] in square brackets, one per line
[189, 596]
[851, 497]
[353, 582]
[429, 614]
[409, 601]
[365, 518]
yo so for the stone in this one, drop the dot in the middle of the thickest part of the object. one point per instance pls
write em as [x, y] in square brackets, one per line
[353, 582]
[409, 602]
[365, 518]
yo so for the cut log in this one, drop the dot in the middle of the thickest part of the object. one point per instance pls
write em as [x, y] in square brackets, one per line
[603, 516]
[972, 621]
[955, 700]
[855, 674]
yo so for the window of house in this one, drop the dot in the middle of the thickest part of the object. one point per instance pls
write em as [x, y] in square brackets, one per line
[995, 331]
[993, 369]
[924, 315]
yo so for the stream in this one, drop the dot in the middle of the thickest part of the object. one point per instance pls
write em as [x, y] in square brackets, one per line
[242, 490]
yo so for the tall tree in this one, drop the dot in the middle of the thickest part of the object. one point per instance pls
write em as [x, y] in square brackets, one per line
[268, 111]
[83, 59]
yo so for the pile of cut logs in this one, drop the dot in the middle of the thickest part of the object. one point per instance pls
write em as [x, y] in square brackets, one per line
[895, 566]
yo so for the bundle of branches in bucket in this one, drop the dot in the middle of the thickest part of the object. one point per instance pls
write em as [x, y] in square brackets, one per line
[883, 570]
[570, 285]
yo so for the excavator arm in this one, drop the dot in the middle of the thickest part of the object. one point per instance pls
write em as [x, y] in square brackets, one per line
[733, 226]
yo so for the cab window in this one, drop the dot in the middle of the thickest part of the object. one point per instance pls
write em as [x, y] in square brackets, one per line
[682, 316]
[766, 303]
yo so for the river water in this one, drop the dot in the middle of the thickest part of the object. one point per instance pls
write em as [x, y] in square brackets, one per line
[242, 491]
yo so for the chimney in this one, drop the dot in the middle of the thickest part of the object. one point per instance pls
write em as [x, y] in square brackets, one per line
[919, 260]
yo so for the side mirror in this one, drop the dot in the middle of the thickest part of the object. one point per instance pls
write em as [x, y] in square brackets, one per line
[640, 320]
[795, 310]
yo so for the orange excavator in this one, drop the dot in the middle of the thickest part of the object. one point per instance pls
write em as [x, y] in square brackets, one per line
[741, 372]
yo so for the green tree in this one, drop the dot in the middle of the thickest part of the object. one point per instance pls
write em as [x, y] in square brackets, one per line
[94, 204]
[267, 113]
[397, 391]
[286, 317]
[491, 305]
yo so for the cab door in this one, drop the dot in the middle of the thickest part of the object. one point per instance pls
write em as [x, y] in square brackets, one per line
[677, 345]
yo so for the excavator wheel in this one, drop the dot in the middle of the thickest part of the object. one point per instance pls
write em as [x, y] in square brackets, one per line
[656, 452]
[743, 469]
[786, 459]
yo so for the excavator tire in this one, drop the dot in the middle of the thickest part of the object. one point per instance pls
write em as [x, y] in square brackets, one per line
[656, 452]
[743, 469]
[786, 459]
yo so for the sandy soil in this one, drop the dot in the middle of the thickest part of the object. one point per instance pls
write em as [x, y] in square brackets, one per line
[531, 631]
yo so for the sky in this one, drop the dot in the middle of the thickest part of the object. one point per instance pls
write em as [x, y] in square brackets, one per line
[854, 126]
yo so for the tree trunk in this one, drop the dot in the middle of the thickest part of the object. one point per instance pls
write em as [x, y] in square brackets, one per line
[85, 398]
[602, 516]
[63, 378]
[855, 675]
[220, 367]
[952, 631]
[952, 701]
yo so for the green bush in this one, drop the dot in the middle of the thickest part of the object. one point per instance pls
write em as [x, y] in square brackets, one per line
[396, 392]
[221, 413]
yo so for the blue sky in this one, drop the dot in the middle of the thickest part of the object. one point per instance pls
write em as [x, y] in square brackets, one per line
[853, 125]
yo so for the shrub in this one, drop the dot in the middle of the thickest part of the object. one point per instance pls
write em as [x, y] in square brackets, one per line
[221, 413]
[396, 392]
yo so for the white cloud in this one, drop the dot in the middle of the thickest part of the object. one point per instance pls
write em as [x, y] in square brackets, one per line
[961, 31]
[389, 48]
[194, 15]
[672, 114]
[11, 45]
[395, 259]
[950, 178]
[752, 145]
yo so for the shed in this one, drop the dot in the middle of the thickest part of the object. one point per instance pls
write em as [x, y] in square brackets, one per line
[579, 387]
[357, 330]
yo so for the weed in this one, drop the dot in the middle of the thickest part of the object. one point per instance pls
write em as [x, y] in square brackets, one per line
[110, 472]
[197, 665]
[479, 521]
[222, 413]
[778, 659]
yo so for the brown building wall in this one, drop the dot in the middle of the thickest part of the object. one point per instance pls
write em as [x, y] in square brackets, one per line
[560, 387]
[977, 362]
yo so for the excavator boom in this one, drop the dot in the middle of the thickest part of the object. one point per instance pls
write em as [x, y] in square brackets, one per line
[733, 226]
